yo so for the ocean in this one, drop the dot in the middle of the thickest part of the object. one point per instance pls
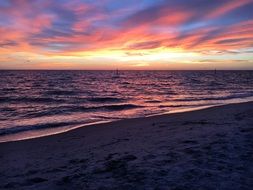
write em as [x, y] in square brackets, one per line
[38, 103]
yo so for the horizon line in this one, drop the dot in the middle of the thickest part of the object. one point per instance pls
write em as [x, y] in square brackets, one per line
[126, 69]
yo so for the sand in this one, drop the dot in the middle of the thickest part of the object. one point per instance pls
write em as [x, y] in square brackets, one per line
[204, 149]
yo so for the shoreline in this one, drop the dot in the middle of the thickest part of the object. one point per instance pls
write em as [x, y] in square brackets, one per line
[204, 149]
[18, 138]
[54, 131]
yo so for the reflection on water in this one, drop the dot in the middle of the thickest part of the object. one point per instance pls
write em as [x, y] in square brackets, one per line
[32, 100]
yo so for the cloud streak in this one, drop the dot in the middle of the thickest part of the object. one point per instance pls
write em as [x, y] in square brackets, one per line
[50, 28]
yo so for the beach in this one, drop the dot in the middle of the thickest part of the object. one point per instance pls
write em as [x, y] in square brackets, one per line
[203, 149]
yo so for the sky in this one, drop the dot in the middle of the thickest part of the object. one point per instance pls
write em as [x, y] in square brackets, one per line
[126, 34]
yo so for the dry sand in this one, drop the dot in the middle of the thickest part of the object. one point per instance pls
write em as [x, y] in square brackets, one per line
[204, 149]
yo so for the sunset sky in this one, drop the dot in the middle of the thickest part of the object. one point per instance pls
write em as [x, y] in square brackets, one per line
[126, 34]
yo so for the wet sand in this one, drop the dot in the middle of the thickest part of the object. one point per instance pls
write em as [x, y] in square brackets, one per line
[203, 149]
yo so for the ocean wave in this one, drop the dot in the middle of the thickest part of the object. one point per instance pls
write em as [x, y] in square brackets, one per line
[215, 83]
[170, 106]
[29, 100]
[7, 109]
[120, 107]
[104, 99]
[153, 101]
[61, 92]
[110, 107]
[23, 128]
[213, 98]
[63, 110]
[9, 89]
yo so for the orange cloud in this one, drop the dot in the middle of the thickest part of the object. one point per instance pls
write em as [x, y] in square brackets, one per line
[49, 30]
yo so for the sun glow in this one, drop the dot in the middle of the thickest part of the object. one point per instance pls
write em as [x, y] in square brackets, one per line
[158, 54]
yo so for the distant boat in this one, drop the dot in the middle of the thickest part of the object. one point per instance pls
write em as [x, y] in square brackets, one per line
[116, 74]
